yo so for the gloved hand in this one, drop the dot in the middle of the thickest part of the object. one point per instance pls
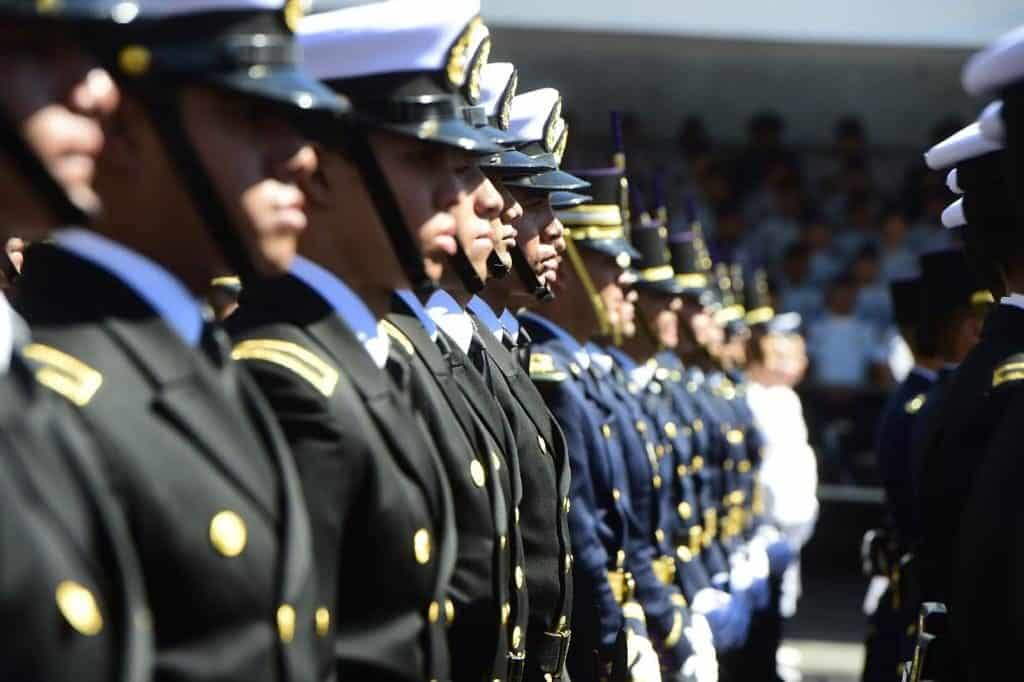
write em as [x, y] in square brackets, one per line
[698, 632]
[757, 558]
[643, 662]
[744, 578]
[727, 616]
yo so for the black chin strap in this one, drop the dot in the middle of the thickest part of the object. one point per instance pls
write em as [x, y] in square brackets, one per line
[379, 189]
[26, 162]
[165, 110]
[529, 278]
[464, 269]
[496, 266]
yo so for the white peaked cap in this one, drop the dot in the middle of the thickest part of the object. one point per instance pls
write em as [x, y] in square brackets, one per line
[170, 8]
[531, 112]
[494, 81]
[997, 66]
[965, 144]
[991, 121]
[952, 182]
[953, 215]
[387, 37]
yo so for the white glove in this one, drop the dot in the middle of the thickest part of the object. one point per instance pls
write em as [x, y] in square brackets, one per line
[758, 556]
[703, 665]
[741, 574]
[708, 600]
[643, 661]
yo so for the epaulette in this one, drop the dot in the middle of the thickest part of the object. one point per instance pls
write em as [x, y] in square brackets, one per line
[63, 374]
[1011, 370]
[916, 403]
[542, 368]
[398, 335]
[293, 357]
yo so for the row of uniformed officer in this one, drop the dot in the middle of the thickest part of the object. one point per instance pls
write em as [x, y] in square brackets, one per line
[371, 478]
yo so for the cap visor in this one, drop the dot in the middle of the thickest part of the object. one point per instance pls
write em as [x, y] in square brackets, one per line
[287, 86]
[610, 247]
[551, 181]
[451, 132]
[563, 200]
[513, 162]
[668, 287]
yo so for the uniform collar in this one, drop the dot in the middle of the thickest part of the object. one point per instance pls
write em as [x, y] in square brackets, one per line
[624, 361]
[417, 309]
[151, 282]
[1013, 300]
[486, 315]
[450, 317]
[347, 304]
[559, 334]
[602, 360]
[641, 375]
[510, 323]
[928, 374]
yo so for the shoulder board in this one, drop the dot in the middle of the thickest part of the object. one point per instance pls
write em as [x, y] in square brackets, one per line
[542, 368]
[63, 374]
[293, 357]
[1011, 370]
[916, 403]
[399, 336]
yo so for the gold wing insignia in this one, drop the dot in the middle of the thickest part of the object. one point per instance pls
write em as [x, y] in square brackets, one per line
[64, 374]
[542, 368]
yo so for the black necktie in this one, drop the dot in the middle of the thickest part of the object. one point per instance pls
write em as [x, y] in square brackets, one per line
[478, 356]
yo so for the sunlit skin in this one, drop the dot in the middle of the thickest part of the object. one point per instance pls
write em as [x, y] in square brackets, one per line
[346, 235]
[58, 97]
[478, 206]
[700, 337]
[572, 309]
[252, 155]
[660, 314]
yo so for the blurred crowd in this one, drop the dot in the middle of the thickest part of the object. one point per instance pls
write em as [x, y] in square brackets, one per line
[832, 226]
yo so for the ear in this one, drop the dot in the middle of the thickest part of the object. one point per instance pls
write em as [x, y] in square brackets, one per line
[322, 187]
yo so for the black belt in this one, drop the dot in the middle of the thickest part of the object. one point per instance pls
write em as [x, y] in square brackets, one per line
[516, 665]
[550, 651]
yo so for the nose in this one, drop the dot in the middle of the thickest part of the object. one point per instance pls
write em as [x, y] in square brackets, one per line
[512, 213]
[301, 165]
[487, 202]
[95, 94]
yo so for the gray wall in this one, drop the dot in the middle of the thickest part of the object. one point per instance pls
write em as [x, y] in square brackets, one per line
[899, 91]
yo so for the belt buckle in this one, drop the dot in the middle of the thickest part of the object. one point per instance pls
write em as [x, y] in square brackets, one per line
[563, 638]
[516, 665]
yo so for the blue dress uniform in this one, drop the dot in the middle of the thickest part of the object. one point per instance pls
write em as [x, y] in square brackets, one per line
[599, 520]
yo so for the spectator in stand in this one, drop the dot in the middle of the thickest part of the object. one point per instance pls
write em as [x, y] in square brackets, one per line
[844, 350]
[728, 245]
[897, 257]
[858, 229]
[853, 181]
[796, 292]
[873, 304]
[927, 233]
[824, 266]
[765, 133]
[712, 189]
[768, 240]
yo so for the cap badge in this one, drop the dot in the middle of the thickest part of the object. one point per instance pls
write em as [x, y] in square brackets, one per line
[458, 56]
[505, 119]
[293, 11]
[479, 62]
[559, 150]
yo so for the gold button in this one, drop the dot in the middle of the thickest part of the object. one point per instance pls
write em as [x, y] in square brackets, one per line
[134, 60]
[670, 429]
[616, 494]
[620, 558]
[641, 426]
[566, 505]
[323, 621]
[476, 470]
[744, 466]
[517, 637]
[659, 535]
[606, 430]
[685, 510]
[548, 678]
[228, 533]
[496, 461]
[660, 450]
[684, 554]
[681, 471]
[434, 611]
[79, 608]
[517, 514]
[449, 611]
[698, 463]
[698, 425]
[286, 622]
[728, 465]
[502, 541]
[519, 577]
[421, 545]
[568, 562]
[656, 481]
[506, 611]
[543, 444]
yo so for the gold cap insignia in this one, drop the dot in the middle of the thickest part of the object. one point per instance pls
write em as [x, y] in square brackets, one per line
[293, 12]
[472, 87]
[459, 57]
[505, 115]
[134, 60]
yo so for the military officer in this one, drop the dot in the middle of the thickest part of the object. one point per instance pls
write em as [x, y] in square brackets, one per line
[197, 177]
[380, 502]
[72, 601]
[962, 410]
[543, 461]
[983, 615]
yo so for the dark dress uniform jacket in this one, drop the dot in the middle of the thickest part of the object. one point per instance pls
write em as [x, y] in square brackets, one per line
[379, 503]
[543, 522]
[988, 558]
[479, 636]
[202, 473]
[72, 604]
[955, 443]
